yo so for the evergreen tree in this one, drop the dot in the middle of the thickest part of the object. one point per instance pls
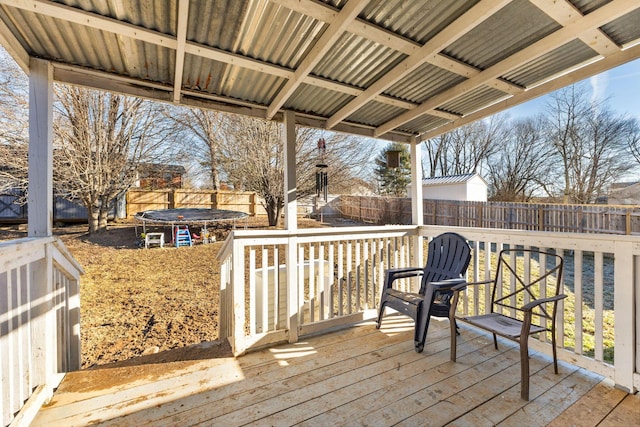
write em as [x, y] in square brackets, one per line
[393, 181]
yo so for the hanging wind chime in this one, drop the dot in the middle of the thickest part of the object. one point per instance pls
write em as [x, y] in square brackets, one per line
[322, 180]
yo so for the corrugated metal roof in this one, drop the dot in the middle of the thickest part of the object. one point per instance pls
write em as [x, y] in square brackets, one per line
[382, 68]
[450, 179]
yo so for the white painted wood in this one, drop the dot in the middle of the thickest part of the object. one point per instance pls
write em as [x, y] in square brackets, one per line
[254, 311]
[237, 315]
[293, 295]
[469, 20]
[181, 39]
[326, 41]
[39, 323]
[624, 312]
[385, 247]
[594, 19]
[598, 288]
[290, 192]
[40, 196]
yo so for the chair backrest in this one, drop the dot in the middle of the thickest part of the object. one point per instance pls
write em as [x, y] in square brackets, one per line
[524, 275]
[448, 257]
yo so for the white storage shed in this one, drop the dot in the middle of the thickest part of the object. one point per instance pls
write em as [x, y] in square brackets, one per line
[470, 187]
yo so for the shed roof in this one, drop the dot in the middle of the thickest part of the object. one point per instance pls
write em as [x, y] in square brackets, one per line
[394, 69]
[451, 179]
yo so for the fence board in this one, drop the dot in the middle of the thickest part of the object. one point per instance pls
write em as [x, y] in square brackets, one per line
[505, 215]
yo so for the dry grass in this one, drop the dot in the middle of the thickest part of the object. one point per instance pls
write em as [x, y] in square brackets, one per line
[143, 301]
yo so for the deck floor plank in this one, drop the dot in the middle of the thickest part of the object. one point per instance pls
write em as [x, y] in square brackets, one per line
[324, 399]
[484, 381]
[265, 385]
[414, 379]
[592, 408]
[354, 376]
[627, 413]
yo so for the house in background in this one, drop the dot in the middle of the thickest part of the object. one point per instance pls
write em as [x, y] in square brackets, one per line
[624, 193]
[469, 187]
[158, 176]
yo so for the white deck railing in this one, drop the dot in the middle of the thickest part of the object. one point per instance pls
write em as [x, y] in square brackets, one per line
[39, 323]
[334, 277]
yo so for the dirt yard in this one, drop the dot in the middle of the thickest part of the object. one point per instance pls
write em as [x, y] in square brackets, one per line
[138, 302]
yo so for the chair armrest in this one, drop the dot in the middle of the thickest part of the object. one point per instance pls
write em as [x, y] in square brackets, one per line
[392, 274]
[447, 284]
[530, 306]
[465, 284]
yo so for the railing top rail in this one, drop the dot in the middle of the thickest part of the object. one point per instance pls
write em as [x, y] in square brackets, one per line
[550, 239]
[62, 249]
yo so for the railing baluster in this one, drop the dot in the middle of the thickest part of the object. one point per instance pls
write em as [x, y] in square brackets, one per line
[349, 278]
[332, 275]
[358, 277]
[598, 297]
[254, 313]
[340, 278]
[578, 300]
[267, 293]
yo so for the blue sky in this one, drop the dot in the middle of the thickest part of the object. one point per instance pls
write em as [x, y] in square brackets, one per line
[621, 85]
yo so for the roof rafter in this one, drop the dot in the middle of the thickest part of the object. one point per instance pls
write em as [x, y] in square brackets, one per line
[469, 20]
[183, 16]
[598, 67]
[322, 46]
[595, 19]
[564, 13]
[92, 20]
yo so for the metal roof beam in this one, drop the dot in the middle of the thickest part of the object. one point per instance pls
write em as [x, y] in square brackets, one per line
[598, 67]
[92, 20]
[565, 13]
[322, 46]
[469, 20]
[183, 16]
[597, 18]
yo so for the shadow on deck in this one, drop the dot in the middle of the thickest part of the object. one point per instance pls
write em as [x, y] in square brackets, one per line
[354, 376]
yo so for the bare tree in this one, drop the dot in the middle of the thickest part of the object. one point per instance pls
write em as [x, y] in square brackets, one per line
[523, 166]
[465, 149]
[252, 160]
[102, 138]
[633, 140]
[590, 140]
[201, 131]
[14, 138]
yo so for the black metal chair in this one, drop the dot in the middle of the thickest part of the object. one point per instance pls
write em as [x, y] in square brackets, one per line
[526, 287]
[448, 257]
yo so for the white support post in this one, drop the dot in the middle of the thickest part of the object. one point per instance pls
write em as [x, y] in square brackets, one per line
[291, 223]
[623, 304]
[43, 324]
[417, 214]
[40, 199]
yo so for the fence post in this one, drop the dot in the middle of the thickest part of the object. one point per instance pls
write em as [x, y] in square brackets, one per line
[624, 299]
[171, 199]
[628, 221]
[541, 218]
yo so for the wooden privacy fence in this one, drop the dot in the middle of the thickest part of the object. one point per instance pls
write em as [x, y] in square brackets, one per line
[144, 200]
[518, 216]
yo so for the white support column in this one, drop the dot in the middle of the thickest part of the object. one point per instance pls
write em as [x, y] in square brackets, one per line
[40, 148]
[291, 223]
[289, 142]
[623, 304]
[417, 213]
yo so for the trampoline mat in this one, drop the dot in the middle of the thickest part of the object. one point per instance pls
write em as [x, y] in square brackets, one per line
[190, 215]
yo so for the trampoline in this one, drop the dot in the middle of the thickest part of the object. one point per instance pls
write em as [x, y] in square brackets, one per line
[188, 216]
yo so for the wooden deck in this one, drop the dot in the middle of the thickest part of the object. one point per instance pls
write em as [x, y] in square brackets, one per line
[355, 376]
